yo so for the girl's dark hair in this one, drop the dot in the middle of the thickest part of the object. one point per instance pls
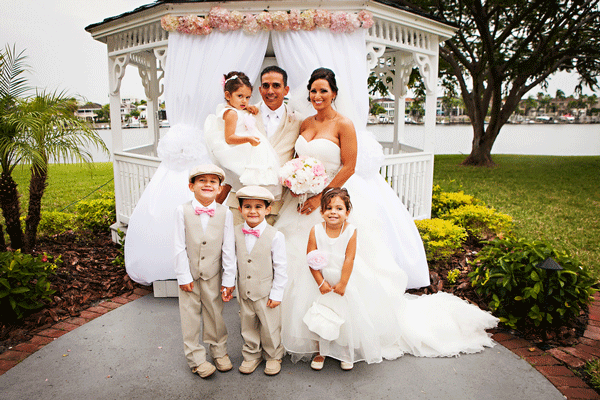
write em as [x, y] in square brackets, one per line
[234, 80]
[329, 193]
[323, 73]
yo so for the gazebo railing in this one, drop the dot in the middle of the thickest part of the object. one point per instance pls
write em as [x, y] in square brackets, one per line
[132, 174]
[411, 177]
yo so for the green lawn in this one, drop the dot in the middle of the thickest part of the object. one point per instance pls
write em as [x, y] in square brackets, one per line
[67, 183]
[550, 198]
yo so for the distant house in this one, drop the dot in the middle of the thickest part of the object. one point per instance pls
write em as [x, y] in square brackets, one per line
[88, 111]
[388, 104]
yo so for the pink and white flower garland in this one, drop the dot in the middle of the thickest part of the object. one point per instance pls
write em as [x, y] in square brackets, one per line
[224, 20]
[303, 175]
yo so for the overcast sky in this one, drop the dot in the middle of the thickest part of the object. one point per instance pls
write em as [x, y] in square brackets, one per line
[63, 56]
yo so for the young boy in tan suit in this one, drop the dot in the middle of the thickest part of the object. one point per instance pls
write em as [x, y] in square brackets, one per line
[205, 269]
[262, 276]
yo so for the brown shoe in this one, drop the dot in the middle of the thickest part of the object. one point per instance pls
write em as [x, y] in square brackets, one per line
[248, 367]
[205, 369]
[223, 364]
[273, 367]
[317, 363]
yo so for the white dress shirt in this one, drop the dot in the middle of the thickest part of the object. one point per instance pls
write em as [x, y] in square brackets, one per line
[228, 259]
[271, 118]
[278, 255]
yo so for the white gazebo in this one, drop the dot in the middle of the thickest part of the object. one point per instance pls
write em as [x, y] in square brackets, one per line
[396, 39]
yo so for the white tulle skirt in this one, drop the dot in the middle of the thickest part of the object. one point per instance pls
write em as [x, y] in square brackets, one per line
[384, 322]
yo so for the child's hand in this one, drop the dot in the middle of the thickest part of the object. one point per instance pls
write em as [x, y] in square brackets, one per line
[188, 287]
[339, 288]
[273, 303]
[252, 109]
[227, 293]
[325, 287]
[253, 140]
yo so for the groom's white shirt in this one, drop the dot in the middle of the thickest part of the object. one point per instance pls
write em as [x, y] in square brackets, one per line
[271, 118]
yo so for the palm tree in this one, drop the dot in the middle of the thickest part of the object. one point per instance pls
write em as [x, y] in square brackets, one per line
[48, 130]
[13, 85]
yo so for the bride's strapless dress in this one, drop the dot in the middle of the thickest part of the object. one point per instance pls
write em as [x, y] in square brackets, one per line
[391, 322]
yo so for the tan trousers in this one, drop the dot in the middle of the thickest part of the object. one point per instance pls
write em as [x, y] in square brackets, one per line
[261, 330]
[201, 310]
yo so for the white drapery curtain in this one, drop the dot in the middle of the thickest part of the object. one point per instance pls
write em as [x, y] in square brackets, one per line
[193, 74]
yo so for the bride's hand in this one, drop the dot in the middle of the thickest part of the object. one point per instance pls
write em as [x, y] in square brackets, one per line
[310, 205]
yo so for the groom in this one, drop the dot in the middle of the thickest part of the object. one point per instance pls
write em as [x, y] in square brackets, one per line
[278, 123]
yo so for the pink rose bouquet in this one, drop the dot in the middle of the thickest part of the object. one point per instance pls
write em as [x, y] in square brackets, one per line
[303, 175]
[317, 260]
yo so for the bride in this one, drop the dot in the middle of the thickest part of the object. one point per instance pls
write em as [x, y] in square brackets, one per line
[396, 323]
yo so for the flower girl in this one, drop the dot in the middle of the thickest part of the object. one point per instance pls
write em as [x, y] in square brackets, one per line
[356, 315]
[336, 314]
[234, 141]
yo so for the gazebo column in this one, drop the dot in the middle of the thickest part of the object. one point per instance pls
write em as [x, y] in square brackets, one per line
[403, 68]
[428, 67]
[148, 70]
[116, 71]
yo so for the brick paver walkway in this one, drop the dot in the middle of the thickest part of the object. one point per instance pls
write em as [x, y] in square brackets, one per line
[554, 364]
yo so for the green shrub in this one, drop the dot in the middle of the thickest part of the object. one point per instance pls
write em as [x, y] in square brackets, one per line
[55, 222]
[24, 282]
[441, 238]
[453, 275]
[443, 202]
[480, 221]
[520, 294]
[98, 214]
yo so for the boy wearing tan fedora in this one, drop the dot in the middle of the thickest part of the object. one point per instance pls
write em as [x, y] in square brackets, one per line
[205, 269]
[262, 264]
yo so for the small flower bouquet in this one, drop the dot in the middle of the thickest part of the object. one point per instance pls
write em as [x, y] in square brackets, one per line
[317, 260]
[303, 176]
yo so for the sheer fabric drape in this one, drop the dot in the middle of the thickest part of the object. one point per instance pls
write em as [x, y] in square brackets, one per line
[193, 74]
[387, 226]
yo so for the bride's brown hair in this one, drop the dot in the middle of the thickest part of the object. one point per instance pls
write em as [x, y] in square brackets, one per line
[326, 74]
[329, 193]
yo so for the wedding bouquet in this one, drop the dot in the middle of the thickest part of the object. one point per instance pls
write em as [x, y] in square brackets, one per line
[303, 175]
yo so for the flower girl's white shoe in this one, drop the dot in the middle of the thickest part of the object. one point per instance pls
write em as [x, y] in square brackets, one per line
[346, 366]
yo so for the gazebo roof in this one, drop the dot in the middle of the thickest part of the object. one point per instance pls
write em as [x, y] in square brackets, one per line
[158, 3]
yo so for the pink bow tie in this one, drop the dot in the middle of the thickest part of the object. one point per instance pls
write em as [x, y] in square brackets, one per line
[255, 232]
[205, 210]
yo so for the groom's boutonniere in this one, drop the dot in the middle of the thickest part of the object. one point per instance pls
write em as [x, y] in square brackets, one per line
[292, 117]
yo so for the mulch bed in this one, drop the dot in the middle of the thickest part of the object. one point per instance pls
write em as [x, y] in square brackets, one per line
[86, 276]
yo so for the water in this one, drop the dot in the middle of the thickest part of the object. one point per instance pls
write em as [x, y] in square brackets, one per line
[532, 139]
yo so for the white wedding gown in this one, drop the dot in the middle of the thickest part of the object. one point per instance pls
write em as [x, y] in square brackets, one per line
[395, 322]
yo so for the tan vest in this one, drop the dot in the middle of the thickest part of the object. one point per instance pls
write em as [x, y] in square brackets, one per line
[255, 270]
[204, 248]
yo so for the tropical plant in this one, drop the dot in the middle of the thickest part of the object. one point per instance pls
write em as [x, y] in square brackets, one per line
[47, 130]
[522, 294]
[13, 85]
[24, 282]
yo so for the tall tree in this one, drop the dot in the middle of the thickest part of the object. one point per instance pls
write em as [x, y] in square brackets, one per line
[504, 48]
